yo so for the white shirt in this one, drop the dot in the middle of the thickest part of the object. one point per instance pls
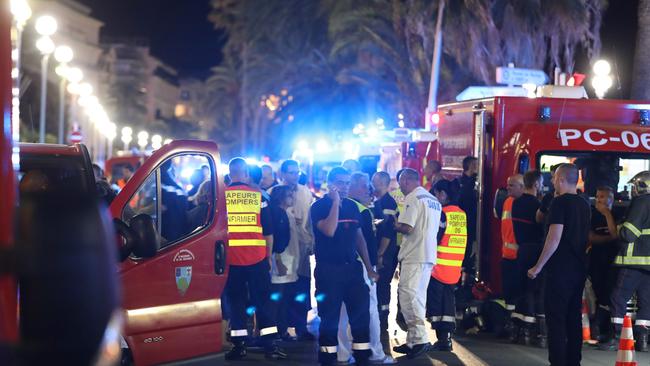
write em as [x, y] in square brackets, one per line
[421, 212]
[290, 257]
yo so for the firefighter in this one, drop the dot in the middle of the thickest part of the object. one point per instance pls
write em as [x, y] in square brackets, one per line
[385, 211]
[634, 261]
[452, 241]
[338, 273]
[250, 240]
[512, 279]
[529, 235]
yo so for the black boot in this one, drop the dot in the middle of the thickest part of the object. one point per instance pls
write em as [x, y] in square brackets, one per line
[237, 352]
[443, 343]
[641, 338]
[611, 344]
[273, 352]
[542, 340]
[603, 324]
[514, 333]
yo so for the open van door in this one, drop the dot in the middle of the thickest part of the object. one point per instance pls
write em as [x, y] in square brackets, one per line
[176, 270]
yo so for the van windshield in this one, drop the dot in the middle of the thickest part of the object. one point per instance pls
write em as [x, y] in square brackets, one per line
[597, 169]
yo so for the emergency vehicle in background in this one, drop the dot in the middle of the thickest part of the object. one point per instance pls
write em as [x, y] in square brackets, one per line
[609, 140]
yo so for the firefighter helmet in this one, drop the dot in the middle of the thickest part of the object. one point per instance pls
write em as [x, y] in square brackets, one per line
[641, 183]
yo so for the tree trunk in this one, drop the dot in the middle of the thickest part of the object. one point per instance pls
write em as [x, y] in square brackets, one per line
[641, 76]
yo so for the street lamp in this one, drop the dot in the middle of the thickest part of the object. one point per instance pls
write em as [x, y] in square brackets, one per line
[46, 25]
[143, 139]
[111, 133]
[46, 47]
[156, 142]
[21, 12]
[127, 137]
[601, 80]
[63, 54]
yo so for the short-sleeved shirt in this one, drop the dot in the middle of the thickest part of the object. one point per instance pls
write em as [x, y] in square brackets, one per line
[340, 249]
[385, 209]
[524, 209]
[421, 212]
[546, 202]
[265, 214]
[603, 253]
[570, 259]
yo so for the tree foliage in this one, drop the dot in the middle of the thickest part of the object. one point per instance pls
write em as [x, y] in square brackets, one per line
[351, 61]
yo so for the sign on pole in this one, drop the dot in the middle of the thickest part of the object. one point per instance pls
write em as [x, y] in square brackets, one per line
[517, 76]
[75, 137]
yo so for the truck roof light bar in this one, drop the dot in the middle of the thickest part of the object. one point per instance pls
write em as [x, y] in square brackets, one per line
[644, 117]
[544, 113]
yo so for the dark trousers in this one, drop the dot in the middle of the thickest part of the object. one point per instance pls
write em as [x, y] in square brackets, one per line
[563, 305]
[531, 302]
[284, 295]
[250, 284]
[629, 281]
[441, 306]
[512, 280]
[301, 305]
[603, 277]
[383, 285]
[335, 285]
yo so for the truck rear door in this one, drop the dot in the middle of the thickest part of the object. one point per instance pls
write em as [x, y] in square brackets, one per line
[172, 300]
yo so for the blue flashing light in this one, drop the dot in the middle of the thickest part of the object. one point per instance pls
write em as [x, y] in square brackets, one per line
[250, 310]
[276, 296]
[320, 297]
[301, 297]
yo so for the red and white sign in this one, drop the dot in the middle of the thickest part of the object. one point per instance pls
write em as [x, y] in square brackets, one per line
[75, 137]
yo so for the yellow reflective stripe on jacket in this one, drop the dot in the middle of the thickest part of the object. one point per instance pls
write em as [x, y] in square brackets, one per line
[247, 242]
[451, 250]
[388, 212]
[626, 260]
[238, 201]
[245, 229]
[449, 262]
[511, 246]
[632, 228]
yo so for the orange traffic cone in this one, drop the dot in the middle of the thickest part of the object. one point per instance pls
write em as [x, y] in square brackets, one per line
[625, 355]
[586, 329]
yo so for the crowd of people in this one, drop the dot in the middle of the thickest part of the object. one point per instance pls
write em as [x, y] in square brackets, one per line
[361, 232]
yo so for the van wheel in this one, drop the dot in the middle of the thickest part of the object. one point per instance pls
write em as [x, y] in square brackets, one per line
[127, 357]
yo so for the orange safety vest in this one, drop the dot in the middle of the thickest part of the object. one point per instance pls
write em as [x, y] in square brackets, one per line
[510, 247]
[245, 239]
[451, 249]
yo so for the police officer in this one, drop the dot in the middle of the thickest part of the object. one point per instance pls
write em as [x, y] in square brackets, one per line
[511, 276]
[634, 260]
[250, 240]
[338, 273]
[529, 235]
[385, 211]
[452, 241]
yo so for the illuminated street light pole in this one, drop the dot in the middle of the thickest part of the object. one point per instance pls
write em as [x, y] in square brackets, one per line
[45, 26]
[127, 137]
[62, 54]
[21, 12]
[601, 81]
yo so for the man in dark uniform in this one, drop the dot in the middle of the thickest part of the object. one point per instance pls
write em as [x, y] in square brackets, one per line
[564, 259]
[249, 244]
[468, 202]
[385, 210]
[529, 235]
[338, 273]
[602, 272]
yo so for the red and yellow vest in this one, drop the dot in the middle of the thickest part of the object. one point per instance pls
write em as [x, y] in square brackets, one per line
[451, 249]
[245, 239]
[510, 247]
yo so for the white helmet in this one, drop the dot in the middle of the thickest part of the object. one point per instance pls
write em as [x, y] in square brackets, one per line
[640, 183]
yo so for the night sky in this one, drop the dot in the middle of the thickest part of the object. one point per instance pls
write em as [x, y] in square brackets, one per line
[181, 35]
[179, 31]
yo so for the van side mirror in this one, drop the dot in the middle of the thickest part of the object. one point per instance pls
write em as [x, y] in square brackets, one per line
[127, 239]
[147, 242]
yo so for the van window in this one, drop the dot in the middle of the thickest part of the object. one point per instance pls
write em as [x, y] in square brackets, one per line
[599, 168]
[181, 189]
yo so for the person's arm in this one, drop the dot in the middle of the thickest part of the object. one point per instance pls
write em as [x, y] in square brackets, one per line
[403, 228]
[550, 246]
[406, 221]
[328, 225]
[539, 216]
[633, 225]
[362, 249]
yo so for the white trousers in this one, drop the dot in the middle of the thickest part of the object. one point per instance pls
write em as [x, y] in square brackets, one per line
[412, 294]
[345, 337]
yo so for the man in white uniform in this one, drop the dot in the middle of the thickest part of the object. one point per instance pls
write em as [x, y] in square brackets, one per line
[418, 222]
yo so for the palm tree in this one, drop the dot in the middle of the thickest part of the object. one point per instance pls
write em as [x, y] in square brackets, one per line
[641, 80]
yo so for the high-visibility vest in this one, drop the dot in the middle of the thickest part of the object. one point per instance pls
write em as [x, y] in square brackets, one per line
[399, 198]
[510, 247]
[245, 239]
[451, 249]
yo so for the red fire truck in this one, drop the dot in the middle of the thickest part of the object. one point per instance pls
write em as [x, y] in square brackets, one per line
[609, 140]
